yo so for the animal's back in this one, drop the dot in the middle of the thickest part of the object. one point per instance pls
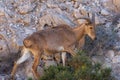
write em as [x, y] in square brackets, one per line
[54, 38]
[58, 36]
[60, 33]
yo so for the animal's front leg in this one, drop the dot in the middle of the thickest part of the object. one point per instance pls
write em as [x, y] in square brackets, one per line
[35, 65]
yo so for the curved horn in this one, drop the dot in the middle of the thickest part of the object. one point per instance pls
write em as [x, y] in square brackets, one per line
[86, 18]
[93, 18]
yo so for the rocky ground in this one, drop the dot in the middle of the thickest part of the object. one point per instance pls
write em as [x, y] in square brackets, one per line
[20, 18]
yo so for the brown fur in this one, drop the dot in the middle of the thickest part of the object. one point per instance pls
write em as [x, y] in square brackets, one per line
[55, 40]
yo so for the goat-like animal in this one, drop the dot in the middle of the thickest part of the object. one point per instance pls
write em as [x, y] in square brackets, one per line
[53, 41]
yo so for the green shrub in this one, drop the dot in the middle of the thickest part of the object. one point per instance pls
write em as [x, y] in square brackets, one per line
[57, 73]
[29, 78]
[79, 67]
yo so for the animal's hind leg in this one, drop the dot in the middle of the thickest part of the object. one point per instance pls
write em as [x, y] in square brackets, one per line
[35, 65]
[14, 70]
[22, 59]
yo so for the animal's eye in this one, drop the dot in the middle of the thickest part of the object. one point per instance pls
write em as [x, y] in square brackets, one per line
[91, 28]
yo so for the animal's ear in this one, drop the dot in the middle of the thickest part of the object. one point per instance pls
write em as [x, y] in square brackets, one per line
[87, 22]
[27, 43]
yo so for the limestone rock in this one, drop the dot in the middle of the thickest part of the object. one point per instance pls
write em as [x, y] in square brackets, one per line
[50, 63]
[108, 4]
[107, 65]
[117, 5]
[76, 13]
[51, 5]
[116, 71]
[54, 20]
[104, 12]
[98, 59]
[4, 48]
[110, 54]
[2, 13]
[99, 20]
[116, 59]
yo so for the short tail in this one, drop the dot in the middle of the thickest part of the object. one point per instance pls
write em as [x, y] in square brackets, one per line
[27, 43]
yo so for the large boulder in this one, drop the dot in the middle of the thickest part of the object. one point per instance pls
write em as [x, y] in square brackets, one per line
[54, 20]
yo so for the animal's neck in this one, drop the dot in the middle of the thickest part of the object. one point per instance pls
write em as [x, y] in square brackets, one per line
[79, 31]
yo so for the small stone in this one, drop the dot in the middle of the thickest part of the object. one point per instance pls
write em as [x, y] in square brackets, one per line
[2, 13]
[40, 70]
[68, 3]
[29, 31]
[116, 70]
[117, 4]
[54, 20]
[104, 12]
[108, 60]
[50, 63]
[76, 13]
[99, 20]
[116, 59]
[118, 53]
[23, 9]
[76, 5]
[110, 54]
[107, 65]
[63, 7]
[51, 5]
[98, 59]
[108, 4]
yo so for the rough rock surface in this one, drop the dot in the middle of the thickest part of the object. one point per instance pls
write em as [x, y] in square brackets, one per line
[20, 18]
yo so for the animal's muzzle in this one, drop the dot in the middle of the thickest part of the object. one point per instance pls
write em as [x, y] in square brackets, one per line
[95, 38]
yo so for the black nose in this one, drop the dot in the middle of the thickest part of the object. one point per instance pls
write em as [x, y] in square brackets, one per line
[95, 38]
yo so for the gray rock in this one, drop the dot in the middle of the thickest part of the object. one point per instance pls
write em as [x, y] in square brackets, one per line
[51, 5]
[29, 31]
[116, 70]
[104, 12]
[76, 13]
[4, 46]
[107, 65]
[2, 13]
[4, 77]
[98, 59]
[117, 5]
[108, 4]
[110, 54]
[50, 63]
[99, 20]
[55, 20]
[116, 59]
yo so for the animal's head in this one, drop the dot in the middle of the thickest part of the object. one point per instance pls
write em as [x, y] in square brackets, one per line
[90, 30]
[89, 26]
